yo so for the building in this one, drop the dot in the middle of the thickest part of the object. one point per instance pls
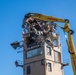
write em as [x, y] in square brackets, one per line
[42, 53]
[42, 59]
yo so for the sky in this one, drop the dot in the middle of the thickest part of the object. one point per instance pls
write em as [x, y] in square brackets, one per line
[11, 15]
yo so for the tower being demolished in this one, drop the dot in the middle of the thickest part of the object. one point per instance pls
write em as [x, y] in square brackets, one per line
[42, 49]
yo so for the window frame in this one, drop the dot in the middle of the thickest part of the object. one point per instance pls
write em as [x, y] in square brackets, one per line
[48, 53]
[28, 69]
[58, 60]
[55, 41]
[33, 50]
[49, 66]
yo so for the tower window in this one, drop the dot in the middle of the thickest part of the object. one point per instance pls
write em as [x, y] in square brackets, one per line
[55, 42]
[34, 52]
[48, 50]
[28, 70]
[57, 56]
[49, 67]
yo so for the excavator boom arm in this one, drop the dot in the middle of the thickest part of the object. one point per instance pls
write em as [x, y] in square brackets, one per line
[47, 18]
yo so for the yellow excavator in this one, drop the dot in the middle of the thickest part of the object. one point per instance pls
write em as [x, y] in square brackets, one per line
[66, 29]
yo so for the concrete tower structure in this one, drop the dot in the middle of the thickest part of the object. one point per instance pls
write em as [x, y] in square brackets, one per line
[42, 49]
[42, 53]
[42, 59]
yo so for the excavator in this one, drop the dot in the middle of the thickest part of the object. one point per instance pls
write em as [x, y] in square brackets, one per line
[66, 29]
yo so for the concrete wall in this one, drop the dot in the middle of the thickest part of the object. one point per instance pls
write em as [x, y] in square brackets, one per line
[39, 64]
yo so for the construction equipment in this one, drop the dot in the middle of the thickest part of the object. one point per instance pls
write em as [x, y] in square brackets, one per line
[66, 29]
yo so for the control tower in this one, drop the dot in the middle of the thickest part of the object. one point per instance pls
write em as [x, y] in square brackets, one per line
[42, 51]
